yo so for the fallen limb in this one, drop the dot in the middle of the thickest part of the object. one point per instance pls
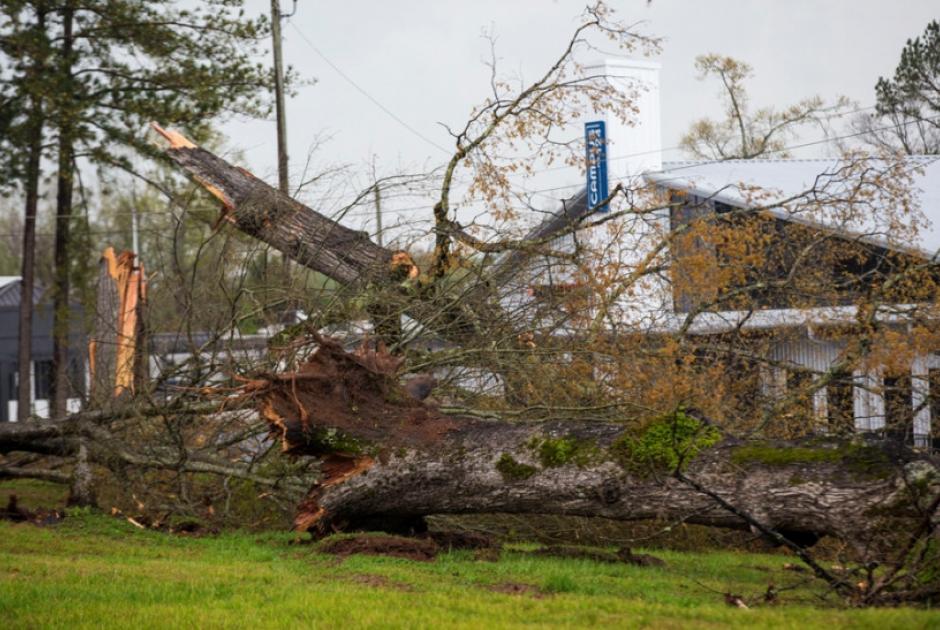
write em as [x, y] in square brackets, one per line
[106, 445]
[390, 456]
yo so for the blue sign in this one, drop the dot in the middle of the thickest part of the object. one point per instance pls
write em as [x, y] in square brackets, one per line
[595, 140]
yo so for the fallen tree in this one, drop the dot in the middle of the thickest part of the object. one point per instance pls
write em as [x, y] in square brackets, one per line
[424, 462]
[389, 460]
[388, 455]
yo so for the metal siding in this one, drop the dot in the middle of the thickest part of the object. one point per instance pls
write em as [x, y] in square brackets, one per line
[920, 399]
[812, 354]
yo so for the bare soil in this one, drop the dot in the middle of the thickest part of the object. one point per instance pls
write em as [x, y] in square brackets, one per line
[380, 581]
[517, 588]
[420, 549]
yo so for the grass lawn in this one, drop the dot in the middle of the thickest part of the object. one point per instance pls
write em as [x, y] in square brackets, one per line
[97, 571]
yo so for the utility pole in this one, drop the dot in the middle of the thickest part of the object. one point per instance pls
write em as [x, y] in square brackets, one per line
[378, 216]
[283, 183]
[282, 179]
[135, 238]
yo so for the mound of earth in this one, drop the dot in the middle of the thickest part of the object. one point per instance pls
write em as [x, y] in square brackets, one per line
[421, 549]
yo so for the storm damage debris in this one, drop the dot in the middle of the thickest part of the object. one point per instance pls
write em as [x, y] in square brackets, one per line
[419, 549]
[115, 348]
[348, 408]
[345, 404]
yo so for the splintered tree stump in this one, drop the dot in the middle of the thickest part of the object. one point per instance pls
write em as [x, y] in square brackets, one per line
[387, 457]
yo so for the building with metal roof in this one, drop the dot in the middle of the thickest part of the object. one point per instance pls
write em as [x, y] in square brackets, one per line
[41, 369]
[887, 204]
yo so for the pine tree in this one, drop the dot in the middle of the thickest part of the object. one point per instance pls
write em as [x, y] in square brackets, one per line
[25, 44]
[116, 65]
[910, 100]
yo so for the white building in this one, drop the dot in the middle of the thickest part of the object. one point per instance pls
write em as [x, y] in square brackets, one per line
[815, 193]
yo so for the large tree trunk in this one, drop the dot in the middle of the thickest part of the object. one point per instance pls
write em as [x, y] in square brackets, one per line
[321, 244]
[28, 267]
[387, 456]
[272, 217]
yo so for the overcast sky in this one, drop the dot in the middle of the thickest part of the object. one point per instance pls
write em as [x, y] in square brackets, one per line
[421, 59]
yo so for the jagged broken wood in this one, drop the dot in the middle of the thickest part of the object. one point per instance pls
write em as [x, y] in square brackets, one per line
[116, 349]
[347, 256]
[269, 215]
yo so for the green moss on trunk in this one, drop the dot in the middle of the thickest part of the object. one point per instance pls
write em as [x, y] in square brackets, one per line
[664, 445]
[555, 452]
[511, 470]
[864, 461]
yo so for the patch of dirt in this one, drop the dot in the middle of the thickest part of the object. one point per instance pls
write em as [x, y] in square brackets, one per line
[189, 526]
[16, 514]
[623, 555]
[518, 588]
[461, 540]
[797, 568]
[380, 581]
[422, 550]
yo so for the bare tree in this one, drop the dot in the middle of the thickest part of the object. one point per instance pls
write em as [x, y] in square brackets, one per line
[745, 133]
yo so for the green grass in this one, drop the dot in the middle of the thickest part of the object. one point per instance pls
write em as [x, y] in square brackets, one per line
[97, 571]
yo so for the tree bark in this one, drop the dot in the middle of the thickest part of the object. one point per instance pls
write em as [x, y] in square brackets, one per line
[388, 456]
[82, 487]
[61, 290]
[28, 268]
[28, 273]
[462, 475]
[323, 245]
[272, 217]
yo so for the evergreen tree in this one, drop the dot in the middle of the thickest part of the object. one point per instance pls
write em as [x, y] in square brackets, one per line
[115, 66]
[909, 102]
[25, 45]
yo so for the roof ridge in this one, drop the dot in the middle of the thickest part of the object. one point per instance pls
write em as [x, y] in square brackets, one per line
[916, 158]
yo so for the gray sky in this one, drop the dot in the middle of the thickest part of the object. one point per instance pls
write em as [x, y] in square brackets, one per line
[421, 59]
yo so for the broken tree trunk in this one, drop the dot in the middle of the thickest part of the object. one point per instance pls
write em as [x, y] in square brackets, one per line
[321, 244]
[387, 456]
[264, 212]
[115, 350]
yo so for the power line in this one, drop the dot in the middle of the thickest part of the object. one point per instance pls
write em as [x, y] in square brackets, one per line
[362, 91]
[693, 164]
[626, 156]
[698, 163]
